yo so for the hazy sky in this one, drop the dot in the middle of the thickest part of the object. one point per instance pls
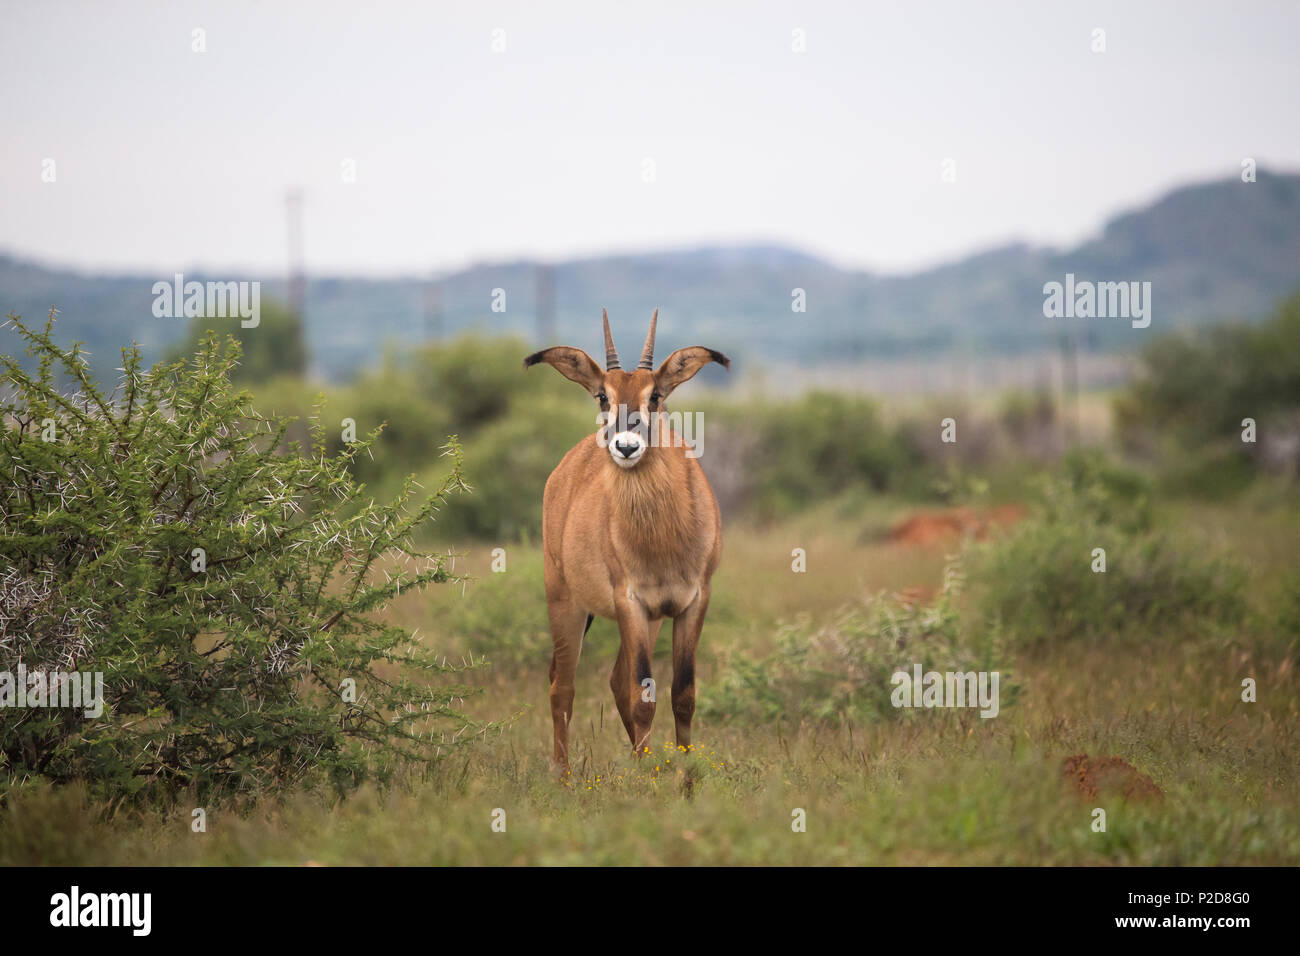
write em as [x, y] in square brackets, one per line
[165, 158]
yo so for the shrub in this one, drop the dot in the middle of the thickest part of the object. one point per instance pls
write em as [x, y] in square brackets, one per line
[222, 667]
[412, 426]
[809, 449]
[1187, 405]
[468, 385]
[289, 399]
[843, 670]
[510, 460]
[476, 379]
[272, 348]
[1039, 585]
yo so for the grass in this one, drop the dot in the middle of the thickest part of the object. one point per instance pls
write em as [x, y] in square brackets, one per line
[938, 787]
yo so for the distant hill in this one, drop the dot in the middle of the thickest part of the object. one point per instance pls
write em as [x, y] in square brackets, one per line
[1212, 251]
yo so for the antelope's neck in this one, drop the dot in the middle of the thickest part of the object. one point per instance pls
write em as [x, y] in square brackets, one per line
[654, 510]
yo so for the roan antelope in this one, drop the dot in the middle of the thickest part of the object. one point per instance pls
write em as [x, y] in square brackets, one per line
[630, 532]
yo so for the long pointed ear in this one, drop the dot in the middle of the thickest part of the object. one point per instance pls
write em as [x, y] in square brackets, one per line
[574, 364]
[682, 365]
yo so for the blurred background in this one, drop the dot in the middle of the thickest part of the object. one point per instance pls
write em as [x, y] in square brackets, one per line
[867, 201]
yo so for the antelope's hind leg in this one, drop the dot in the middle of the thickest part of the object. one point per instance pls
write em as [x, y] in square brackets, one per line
[568, 627]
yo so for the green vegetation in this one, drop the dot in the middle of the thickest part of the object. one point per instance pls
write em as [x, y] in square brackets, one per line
[1048, 581]
[225, 586]
[275, 346]
[939, 787]
[1145, 662]
[1188, 408]
[840, 669]
[516, 426]
[829, 443]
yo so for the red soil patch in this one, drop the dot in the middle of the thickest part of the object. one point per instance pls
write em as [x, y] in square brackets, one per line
[916, 595]
[1091, 776]
[937, 527]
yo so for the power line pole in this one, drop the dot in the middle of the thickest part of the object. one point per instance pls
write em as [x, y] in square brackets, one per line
[545, 300]
[297, 285]
[1070, 385]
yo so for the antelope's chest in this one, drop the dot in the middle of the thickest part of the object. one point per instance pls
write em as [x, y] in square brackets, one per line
[663, 598]
[662, 595]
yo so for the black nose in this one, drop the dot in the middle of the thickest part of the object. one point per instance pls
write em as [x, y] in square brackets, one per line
[626, 450]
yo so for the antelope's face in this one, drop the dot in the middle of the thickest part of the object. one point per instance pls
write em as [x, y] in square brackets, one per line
[629, 401]
[628, 404]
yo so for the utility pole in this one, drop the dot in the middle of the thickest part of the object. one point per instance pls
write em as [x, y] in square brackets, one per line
[1070, 385]
[297, 285]
[545, 299]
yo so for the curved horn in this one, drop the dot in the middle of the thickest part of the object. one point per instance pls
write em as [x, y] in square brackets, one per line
[611, 354]
[648, 353]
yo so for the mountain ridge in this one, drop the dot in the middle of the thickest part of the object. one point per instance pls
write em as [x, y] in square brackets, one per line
[1213, 250]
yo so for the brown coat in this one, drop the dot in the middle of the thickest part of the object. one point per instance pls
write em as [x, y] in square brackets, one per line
[633, 535]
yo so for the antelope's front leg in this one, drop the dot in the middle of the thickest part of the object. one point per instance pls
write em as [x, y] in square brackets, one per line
[568, 622]
[686, 638]
[638, 690]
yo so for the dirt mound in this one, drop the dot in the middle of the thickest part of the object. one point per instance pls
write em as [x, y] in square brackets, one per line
[936, 527]
[1093, 776]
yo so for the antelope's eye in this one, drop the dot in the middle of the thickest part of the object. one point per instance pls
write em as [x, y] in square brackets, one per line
[602, 398]
[654, 398]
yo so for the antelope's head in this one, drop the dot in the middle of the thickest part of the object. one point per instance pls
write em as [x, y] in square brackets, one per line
[629, 401]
